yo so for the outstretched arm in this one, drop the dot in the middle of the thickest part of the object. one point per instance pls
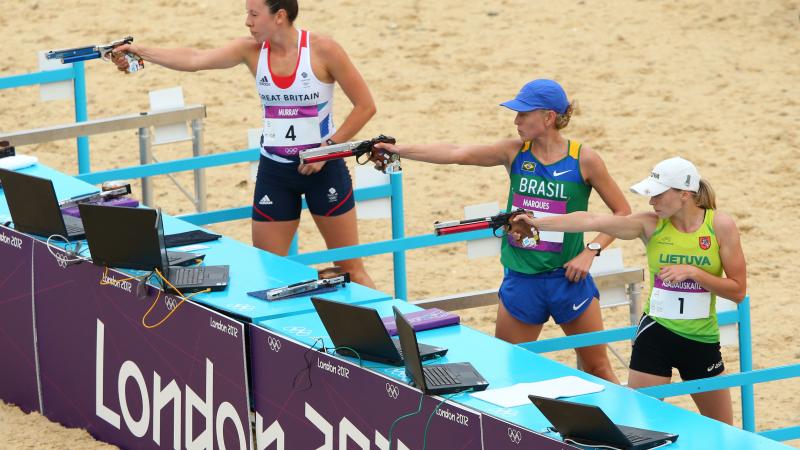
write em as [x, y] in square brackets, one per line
[189, 59]
[639, 225]
[500, 153]
[597, 176]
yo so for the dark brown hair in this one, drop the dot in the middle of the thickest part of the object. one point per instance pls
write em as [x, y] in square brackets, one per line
[290, 6]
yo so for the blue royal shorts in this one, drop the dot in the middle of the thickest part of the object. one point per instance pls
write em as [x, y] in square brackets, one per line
[533, 299]
[279, 190]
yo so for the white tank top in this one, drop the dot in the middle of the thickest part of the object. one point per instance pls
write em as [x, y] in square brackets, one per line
[298, 109]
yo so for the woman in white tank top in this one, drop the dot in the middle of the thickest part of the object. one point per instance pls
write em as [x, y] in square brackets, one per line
[295, 74]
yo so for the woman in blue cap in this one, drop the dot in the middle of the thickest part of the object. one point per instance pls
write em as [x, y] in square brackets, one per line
[549, 175]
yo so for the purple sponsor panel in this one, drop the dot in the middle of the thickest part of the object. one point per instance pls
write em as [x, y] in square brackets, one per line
[501, 435]
[542, 246]
[307, 399]
[180, 384]
[289, 151]
[18, 380]
[539, 204]
[687, 285]
[119, 201]
[290, 112]
[427, 319]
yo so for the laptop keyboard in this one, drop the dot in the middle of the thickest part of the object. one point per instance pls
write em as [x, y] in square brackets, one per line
[188, 277]
[634, 438]
[439, 376]
[73, 225]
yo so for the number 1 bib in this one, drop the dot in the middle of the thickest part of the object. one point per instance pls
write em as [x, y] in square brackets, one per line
[289, 129]
[679, 300]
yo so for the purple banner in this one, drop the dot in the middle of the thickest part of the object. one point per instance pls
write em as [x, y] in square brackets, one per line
[542, 246]
[687, 285]
[289, 151]
[306, 399]
[501, 435]
[180, 384]
[18, 379]
[539, 204]
[290, 112]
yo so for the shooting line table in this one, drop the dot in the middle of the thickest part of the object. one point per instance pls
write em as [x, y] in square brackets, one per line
[77, 350]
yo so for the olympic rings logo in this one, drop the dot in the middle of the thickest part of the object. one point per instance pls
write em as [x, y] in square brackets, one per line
[62, 261]
[392, 391]
[274, 344]
[514, 435]
[170, 302]
[298, 331]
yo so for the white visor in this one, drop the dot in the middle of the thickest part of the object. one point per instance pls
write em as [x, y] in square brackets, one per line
[649, 187]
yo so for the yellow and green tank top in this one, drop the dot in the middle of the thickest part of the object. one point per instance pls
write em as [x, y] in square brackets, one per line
[547, 190]
[685, 308]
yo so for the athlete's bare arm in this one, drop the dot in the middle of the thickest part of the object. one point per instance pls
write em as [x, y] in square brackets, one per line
[235, 52]
[337, 66]
[500, 153]
[639, 225]
[596, 175]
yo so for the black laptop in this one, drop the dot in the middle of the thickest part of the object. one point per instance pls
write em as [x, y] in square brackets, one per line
[362, 330]
[34, 209]
[133, 238]
[435, 379]
[588, 425]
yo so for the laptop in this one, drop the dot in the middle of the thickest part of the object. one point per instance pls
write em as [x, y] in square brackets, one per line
[133, 238]
[34, 209]
[362, 330]
[434, 379]
[589, 425]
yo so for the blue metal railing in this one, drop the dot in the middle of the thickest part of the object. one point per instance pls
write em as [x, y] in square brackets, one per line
[745, 379]
[75, 72]
[399, 244]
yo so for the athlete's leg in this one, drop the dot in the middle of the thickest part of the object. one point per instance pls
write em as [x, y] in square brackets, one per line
[275, 237]
[276, 206]
[513, 330]
[342, 231]
[715, 404]
[594, 359]
[638, 379]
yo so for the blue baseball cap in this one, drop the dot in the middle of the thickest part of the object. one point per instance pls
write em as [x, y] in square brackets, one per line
[539, 94]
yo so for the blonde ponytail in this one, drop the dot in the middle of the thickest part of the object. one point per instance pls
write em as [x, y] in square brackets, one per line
[562, 120]
[705, 197]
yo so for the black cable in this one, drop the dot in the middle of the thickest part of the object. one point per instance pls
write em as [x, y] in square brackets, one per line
[307, 368]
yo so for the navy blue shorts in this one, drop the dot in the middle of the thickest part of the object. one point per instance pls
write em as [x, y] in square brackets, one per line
[533, 299]
[656, 350]
[279, 188]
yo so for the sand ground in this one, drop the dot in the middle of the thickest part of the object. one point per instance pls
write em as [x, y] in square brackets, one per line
[715, 82]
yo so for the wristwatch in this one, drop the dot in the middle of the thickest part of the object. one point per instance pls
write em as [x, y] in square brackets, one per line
[329, 141]
[595, 246]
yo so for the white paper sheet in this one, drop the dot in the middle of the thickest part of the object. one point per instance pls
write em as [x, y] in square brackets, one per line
[517, 395]
[61, 90]
[379, 208]
[166, 99]
[480, 248]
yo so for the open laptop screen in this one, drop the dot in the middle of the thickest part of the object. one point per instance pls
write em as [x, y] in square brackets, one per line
[408, 342]
[32, 203]
[122, 237]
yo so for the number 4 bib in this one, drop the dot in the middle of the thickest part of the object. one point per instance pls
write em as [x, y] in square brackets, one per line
[289, 129]
[679, 300]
